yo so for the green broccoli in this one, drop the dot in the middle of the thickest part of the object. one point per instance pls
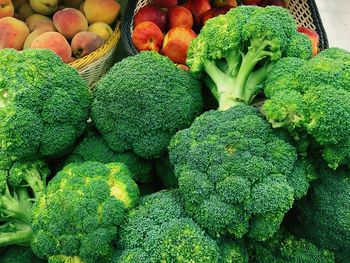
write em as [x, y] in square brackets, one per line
[284, 247]
[324, 215]
[236, 175]
[142, 102]
[94, 148]
[17, 254]
[75, 218]
[158, 230]
[44, 105]
[235, 52]
[311, 99]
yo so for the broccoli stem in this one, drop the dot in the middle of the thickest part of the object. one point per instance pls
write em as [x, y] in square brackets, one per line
[15, 233]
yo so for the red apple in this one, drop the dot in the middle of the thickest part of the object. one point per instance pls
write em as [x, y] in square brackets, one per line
[252, 2]
[314, 37]
[176, 43]
[152, 14]
[147, 36]
[218, 3]
[165, 3]
[215, 12]
[180, 16]
[198, 8]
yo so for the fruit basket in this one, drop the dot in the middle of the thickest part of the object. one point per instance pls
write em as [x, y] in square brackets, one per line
[305, 13]
[93, 66]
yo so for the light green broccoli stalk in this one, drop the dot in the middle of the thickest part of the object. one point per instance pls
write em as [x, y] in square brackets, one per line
[158, 230]
[94, 148]
[235, 52]
[44, 105]
[22, 185]
[237, 177]
[324, 216]
[311, 99]
[142, 102]
[75, 219]
[284, 247]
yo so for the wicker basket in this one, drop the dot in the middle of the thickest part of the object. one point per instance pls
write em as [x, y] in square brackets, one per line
[93, 66]
[305, 13]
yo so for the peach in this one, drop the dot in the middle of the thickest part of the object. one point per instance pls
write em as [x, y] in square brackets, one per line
[147, 36]
[176, 43]
[152, 14]
[18, 3]
[101, 11]
[198, 8]
[69, 22]
[25, 10]
[101, 29]
[6, 8]
[36, 17]
[56, 42]
[42, 24]
[180, 16]
[72, 3]
[44, 7]
[33, 35]
[85, 43]
[13, 33]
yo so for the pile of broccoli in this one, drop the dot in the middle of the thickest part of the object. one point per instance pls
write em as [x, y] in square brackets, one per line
[143, 169]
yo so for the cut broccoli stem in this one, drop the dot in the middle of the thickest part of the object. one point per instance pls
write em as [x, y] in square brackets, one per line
[16, 207]
[15, 233]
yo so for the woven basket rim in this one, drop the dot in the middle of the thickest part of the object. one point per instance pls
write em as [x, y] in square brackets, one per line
[101, 52]
[132, 4]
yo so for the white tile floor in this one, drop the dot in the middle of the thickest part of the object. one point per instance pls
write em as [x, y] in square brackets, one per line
[335, 15]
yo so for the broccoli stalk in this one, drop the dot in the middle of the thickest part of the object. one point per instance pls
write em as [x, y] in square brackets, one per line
[26, 183]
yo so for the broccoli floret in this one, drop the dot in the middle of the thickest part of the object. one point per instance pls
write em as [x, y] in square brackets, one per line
[236, 175]
[94, 148]
[44, 105]
[80, 212]
[159, 230]
[313, 97]
[325, 213]
[248, 41]
[284, 247]
[17, 254]
[165, 171]
[23, 185]
[143, 101]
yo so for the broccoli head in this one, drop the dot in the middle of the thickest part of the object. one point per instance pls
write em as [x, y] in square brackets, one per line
[94, 148]
[44, 105]
[143, 101]
[79, 215]
[248, 41]
[237, 177]
[158, 230]
[18, 254]
[284, 247]
[325, 213]
[312, 98]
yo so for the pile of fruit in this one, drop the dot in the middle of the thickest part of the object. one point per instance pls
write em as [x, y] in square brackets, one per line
[243, 158]
[70, 28]
[169, 26]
